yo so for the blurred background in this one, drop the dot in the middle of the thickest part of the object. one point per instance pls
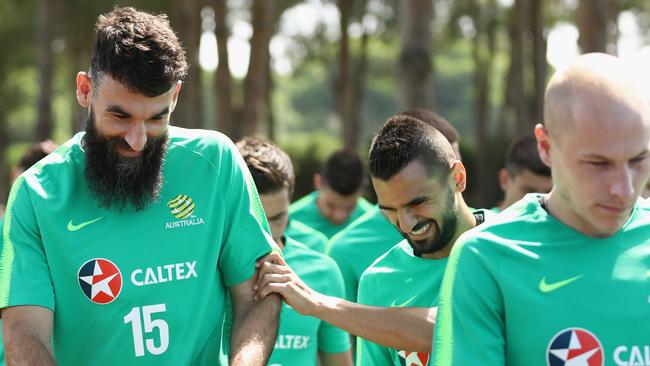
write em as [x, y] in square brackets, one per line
[317, 75]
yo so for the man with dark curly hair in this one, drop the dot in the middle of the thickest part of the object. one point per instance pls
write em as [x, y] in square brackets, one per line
[121, 246]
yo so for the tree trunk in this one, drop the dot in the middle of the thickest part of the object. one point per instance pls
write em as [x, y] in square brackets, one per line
[483, 55]
[345, 83]
[186, 20]
[516, 100]
[415, 65]
[223, 80]
[256, 103]
[540, 42]
[592, 25]
[354, 128]
[44, 125]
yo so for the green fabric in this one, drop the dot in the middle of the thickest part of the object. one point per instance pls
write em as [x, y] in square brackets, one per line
[306, 211]
[301, 337]
[361, 243]
[398, 279]
[2, 348]
[522, 288]
[495, 209]
[305, 235]
[175, 257]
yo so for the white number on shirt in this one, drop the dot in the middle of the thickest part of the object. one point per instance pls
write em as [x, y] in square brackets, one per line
[150, 324]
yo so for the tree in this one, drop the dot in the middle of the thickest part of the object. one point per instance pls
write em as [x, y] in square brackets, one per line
[540, 66]
[415, 61]
[186, 20]
[257, 82]
[223, 79]
[594, 18]
[44, 123]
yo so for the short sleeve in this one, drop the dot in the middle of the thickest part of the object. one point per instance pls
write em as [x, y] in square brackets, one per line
[24, 272]
[350, 280]
[330, 338]
[246, 235]
[369, 353]
[470, 324]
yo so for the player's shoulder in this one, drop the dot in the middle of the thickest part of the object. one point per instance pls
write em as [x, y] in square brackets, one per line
[299, 228]
[205, 143]
[364, 205]
[308, 255]
[358, 232]
[383, 264]
[507, 229]
[316, 269]
[303, 203]
[68, 158]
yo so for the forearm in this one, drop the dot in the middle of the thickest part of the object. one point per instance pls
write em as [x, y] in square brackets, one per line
[24, 350]
[254, 332]
[399, 328]
[26, 334]
[335, 359]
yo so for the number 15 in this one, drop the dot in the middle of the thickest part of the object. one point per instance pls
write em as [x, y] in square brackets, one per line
[133, 317]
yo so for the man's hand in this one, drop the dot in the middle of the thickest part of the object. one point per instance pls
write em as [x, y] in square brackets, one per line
[275, 276]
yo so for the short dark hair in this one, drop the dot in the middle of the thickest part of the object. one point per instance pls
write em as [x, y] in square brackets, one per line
[343, 172]
[522, 155]
[35, 153]
[270, 167]
[436, 121]
[138, 49]
[404, 139]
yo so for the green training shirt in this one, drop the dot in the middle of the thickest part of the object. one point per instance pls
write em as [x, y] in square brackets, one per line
[358, 245]
[134, 288]
[398, 279]
[303, 234]
[526, 289]
[301, 337]
[306, 211]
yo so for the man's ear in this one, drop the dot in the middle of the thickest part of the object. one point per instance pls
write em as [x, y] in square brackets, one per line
[175, 97]
[459, 176]
[317, 181]
[504, 179]
[84, 89]
[543, 143]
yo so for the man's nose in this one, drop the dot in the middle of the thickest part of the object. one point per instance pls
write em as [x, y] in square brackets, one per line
[405, 221]
[136, 136]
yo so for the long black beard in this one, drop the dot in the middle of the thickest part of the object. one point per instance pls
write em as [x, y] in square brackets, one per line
[120, 182]
[446, 230]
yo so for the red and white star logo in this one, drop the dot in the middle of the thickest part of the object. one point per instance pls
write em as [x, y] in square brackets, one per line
[407, 358]
[100, 280]
[575, 347]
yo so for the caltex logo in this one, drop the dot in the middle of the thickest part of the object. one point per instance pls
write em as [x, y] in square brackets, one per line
[100, 280]
[407, 358]
[181, 206]
[575, 347]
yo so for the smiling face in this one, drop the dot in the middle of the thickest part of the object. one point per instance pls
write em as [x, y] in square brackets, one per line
[125, 141]
[421, 207]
